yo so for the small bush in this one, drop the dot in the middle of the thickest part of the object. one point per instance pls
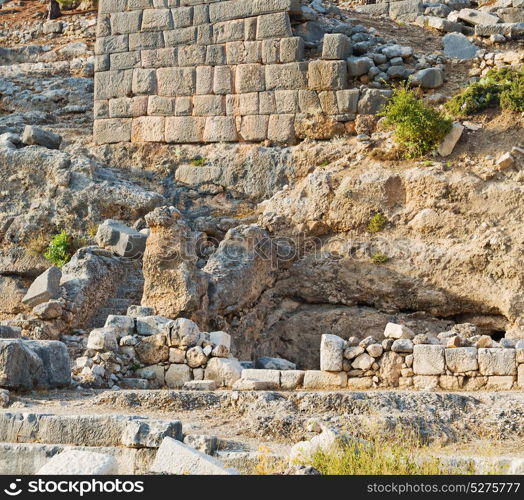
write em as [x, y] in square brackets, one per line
[377, 223]
[419, 128]
[379, 258]
[502, 87]
[199, 162]
[62, 247]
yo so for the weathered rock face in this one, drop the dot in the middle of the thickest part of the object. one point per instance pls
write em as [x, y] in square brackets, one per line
[174, 285]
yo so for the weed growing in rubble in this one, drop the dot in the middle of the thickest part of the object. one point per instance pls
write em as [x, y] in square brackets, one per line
[502, 87]
[62, 247]
[377, 223]
[201, 161]
[419, 127]
[379, 258]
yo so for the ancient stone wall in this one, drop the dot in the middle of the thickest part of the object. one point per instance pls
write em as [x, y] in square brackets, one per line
[204, 71]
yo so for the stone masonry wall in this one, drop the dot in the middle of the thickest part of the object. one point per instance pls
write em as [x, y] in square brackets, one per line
[204, 71]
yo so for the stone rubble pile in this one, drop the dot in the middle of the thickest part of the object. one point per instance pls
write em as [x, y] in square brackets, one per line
[240, 70]
[500, 21]
[142, 351]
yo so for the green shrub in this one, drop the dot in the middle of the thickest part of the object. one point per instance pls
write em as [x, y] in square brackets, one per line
[502, 87]
[377, 223]
[62, 247]
[379, 258]
[419, 128]
[199, 161]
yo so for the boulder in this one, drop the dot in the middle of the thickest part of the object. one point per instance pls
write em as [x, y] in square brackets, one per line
[121, 239]
[390, 368]
[44, 288]
[183, 333]
[394, 331]
[402, 345]
[80, 463]
[220, 338]
[153, 349]
[458, 46]
[10, 332]
[475, 17]
[428, 359]
[55, 361]
[121, 325]
[149, 433]
[153, 325]
[331, 353]
[39, 137]
[363, 362]
[138, 311]
[174, 457]
[195, 357]
[224, 371]
[4, 398]
[429, 78]
[177, 375]
[274, 364]
[102, 339]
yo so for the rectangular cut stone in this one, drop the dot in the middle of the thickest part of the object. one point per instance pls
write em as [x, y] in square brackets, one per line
[112, 44]
[101, 109]
[125, 60]
[110, 84]
[144, 81]
[148, 129]
[128, 107]
[192, 55]
[288, 76]
[281, 128]
[287, 101]
[223, 80]
[126, 22]
[204, 80]
[216, 55]
[183, 130]
[200, 14]
[271, 51]
[327, 75]
[497, 361]
[309, 102]
[243, 53]
[159, 58]
[176, 81]
[182, 17]
[233, 31]
[184, 106]
[237, 9]
[267, 103]
[348, 100]
[316, 379]
[328, 102]
[275, 25]
[462, 359]
[110, 131]
[248, 104]
[272, 377]
[249, 78]
[220, 129]
[204, 35]
[146, 41]
[331, 353]
[182, 36]
[500, 383]
[428, 359]
[156, 20]
[291, 379]
[360, 383]
[107, 6]
[254, 128]
[164, 106]
[209, 105]
[291, 49]
[335, 46]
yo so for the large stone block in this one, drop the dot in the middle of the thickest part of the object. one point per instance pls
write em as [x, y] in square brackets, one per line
[185, 129]
[10, 332]
[220, 129]
[123, 60]
[110, 84]
[81, 463]
[209, 105]
[36, 136]
[336, 46]
[347, 100]
[372, 101]
[288, 76]
[176, 81]
[147, 40]
[270, 377]
[44, 288]
[249, 78]
[291, 49]
[275, 25]
[159, 58]
[153, 349]
[174, 457]
[462, 359]
[112, 44]
[156, 20]
[144, 81]
[428, 359]
[128, 107]
[331, 353]
[109, 131]
[148, 129]
[497, 361]
[224, 371]
[327, 75]
[121, 239]
[102, 339]
[292, 379]
[281, 128]
[254, 128]
[316, 379]
[126, 22]
[177, 375]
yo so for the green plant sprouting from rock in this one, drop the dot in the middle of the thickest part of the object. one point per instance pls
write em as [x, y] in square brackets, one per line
[377, 223]
[62, 247]
[418, 127]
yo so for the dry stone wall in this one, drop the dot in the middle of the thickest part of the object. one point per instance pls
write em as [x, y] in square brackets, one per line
[205, 71]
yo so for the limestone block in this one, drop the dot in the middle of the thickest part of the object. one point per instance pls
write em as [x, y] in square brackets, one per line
[291, 49]
[200, 385]
[176, 81]
[336, 46]
[209, 105]
[270, 377]
[428, 359]
[159, 58]
[153, 325]
[144, 81]
[287, 101]
[112, 44]
[247, 104]
[426, 382]
[309, 101]
[224, 371]
[358, 66]
[110, 84]
[402, 345]
[500, 383]
[462, 359]
[200, 14]
[184, 106]
[275, 25]
[174, 457]
[107, 6]
[164, 106]
[183, 333]
[249, 78]
[139, 311]
[192, 55]
[290, 76]
[121, 325]
[291, 379]
[216, 55]
[44, 288]
[128, 107]
[223, 80]
[102, 339]
[360, 383]
[126, 22]
[449, 383]
[121, 239]
[520, 376]
[394, 331]
[328, 102]
[146, 41]
[245, 384]
[281, 128]
[372, 101]
[254, 128]
[182, 17]
[124, 60]
[156, 20]
[81, 463]
[327, 75]
[271, 51]
[497, 361]
[347, 100]
[316, 379]
[204, 80]
[450, 141]
[363, 362]
[331, 353]
[182, 36]
[108, 131]
[177, 375]
[220, 129]
[153, 349]
[184, 129]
